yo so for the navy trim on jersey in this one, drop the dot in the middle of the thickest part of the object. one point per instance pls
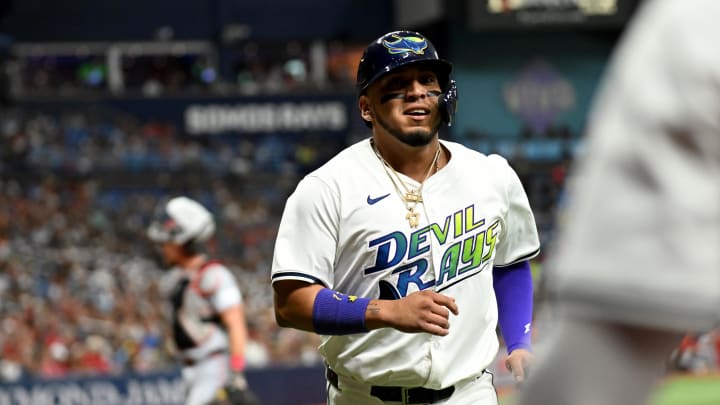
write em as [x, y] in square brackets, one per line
[183, 340]
[446, 286]
[294, 275]
[518, 260]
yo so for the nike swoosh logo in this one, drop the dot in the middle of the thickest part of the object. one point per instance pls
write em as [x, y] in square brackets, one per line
[372, 201]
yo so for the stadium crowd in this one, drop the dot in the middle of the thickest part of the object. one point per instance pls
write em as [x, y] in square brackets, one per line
[83, 291]
[78, 277]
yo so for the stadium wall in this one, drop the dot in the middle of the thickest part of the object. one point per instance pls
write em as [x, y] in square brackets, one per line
[274, 386]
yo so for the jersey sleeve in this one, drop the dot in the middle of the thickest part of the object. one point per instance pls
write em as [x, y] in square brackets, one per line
[519, 240]
[307, 236]
[693, 73]
[219, 285]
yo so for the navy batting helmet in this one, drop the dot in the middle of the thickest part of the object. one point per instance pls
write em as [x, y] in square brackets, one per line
[401, 48]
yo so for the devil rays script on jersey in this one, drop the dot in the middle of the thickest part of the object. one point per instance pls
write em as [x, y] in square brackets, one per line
[468, 243]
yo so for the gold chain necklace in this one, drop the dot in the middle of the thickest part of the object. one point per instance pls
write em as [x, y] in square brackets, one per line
[411, 197]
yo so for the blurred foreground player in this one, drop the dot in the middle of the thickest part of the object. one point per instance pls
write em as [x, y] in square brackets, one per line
[209, 326]
[406, 251]
[637, 262]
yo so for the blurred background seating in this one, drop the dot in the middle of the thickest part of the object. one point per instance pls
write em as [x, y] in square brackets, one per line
[106, 108]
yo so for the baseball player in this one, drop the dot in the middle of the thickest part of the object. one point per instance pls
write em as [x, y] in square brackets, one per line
[403, 250]
[208, 322]
[637, 261]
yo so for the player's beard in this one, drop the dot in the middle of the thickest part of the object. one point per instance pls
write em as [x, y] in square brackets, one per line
[413, 137]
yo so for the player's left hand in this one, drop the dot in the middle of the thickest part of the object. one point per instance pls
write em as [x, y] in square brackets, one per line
[518, 362]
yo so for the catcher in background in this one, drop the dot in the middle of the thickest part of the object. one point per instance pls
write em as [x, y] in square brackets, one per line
[208, 326]
[406, 251]
[637, 261]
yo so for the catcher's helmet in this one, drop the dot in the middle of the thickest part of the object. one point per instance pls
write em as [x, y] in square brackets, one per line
[396, 49]
[181, 220]
[401, 48]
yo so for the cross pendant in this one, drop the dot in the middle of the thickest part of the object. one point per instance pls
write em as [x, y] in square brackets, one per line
[413, 196]
[413, 218]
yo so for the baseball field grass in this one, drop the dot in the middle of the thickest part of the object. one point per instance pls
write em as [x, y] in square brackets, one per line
[677, 390]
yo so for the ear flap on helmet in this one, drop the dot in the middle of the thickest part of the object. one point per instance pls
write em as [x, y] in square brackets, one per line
[448, 103]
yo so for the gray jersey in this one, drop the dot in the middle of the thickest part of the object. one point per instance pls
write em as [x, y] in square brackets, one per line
[197, 301]
[640, 241]
[346, 228]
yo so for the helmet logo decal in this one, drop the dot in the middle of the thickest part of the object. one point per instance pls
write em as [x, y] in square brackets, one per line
[412, 44]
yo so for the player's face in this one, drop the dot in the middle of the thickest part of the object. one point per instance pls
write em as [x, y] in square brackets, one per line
[171, 253]
[404, 104]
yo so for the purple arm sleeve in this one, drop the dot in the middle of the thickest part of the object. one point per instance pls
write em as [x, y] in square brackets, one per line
[339, 314]
[514, 293]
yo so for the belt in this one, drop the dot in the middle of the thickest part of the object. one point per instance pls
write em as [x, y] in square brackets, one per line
[192, 362]
[416, 395]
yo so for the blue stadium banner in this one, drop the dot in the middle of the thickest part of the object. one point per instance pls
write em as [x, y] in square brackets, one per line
[277, 385]
[155, 389]
[331, 114]
[321, 115]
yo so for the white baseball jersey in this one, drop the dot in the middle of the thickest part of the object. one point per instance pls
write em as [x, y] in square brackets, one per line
[345, 227]
[641, 239]
[197, 301]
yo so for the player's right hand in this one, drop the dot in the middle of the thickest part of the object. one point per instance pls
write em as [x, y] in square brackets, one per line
[423, 311]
